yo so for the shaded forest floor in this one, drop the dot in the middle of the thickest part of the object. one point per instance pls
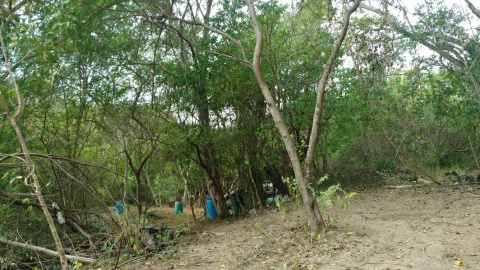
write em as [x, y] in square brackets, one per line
[415, 228]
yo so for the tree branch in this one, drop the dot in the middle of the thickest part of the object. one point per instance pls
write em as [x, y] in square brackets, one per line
[317, 117]
[421, 38]
[46, 251]
[473, 9]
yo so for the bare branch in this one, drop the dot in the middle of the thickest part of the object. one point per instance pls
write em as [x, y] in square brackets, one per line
[422, 39]
[47, 251]
[473, 9]
[237, 43]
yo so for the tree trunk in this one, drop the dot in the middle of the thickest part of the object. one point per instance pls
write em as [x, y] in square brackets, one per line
[151, 189]
[125, 181]
[214, 184]
[315, 219]
[186, 192]
[247, 158]
[28, 160]
[139, 193]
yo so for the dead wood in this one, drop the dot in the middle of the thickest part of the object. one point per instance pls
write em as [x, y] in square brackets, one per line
[400, 187]
[47, 251]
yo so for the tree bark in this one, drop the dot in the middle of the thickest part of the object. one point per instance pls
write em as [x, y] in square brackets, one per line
[154, 196]
[315, 219]
[322, 84]
[473, 9]
[212, 174]
[125, 181]
[186, 192]
[247, 158]
[28, 160]
[139, 193]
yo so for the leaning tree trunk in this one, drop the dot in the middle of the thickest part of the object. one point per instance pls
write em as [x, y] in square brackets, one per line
[28, 160]
[154, 196]
[302, 175]
[315, 221]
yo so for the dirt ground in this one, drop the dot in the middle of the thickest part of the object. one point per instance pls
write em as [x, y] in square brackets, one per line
[414, 228]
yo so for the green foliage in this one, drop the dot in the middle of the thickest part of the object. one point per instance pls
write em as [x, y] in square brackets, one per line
[385, 165]
[292, 185]
[326, 199]
[97, 82]
[6, 225]
[330, 197]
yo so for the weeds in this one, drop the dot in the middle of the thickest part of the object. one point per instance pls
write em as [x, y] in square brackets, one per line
[333, 195]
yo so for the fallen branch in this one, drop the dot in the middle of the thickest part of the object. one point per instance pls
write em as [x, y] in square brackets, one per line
[79, 229]
[47, 251]
[399, 187]
[462, 184]
[452, 185]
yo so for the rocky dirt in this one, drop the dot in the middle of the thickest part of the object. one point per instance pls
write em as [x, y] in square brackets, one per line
[414, 228]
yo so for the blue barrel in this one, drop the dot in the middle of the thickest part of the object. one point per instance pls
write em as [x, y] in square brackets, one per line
[119, 208]
[211, 211]
[178, 208]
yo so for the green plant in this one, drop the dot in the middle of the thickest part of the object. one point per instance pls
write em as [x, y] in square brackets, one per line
[294, 191]
[108, 246]
[330, 197]
[280, 203]
[5, 224]
[385, 165]
[165, 236]
[292, 186]
[77, 265]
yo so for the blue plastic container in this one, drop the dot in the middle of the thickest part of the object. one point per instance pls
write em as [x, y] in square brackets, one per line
[119, 208]
[178, 208]
[211, 211]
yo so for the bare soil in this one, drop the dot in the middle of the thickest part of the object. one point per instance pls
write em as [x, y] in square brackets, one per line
[414, 228]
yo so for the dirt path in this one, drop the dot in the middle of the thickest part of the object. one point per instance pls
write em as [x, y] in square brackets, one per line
[418, 228]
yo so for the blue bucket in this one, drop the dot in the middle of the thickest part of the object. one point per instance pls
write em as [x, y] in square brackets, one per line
[119, 208]
[211, 211]
[178, 208]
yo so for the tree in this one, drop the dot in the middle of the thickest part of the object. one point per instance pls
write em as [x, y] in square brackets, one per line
[303, 174]
[440, 30]
[14, 116]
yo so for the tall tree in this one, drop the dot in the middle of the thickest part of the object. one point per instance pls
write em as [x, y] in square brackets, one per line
[303, 174]
[14, 116]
